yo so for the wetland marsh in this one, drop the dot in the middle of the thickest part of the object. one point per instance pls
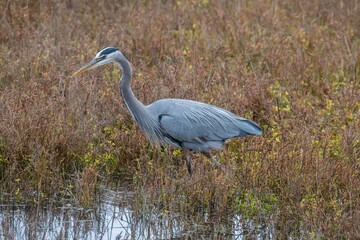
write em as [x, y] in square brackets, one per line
[73, 164]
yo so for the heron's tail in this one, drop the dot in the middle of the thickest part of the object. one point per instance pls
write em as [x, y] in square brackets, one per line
[248, 127]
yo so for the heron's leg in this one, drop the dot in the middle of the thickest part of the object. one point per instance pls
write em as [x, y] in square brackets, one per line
[208, 154]
[188, 163]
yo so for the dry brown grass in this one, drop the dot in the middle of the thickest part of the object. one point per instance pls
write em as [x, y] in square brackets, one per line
[292, 66]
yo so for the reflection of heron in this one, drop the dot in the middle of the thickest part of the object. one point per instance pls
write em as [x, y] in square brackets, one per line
[182, 123]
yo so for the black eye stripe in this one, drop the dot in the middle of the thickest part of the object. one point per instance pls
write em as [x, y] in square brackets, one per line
[108, 51]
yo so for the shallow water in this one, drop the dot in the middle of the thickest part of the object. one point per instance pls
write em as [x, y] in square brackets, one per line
[113, 218]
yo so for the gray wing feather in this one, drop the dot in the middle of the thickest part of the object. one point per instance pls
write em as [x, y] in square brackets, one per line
[190, 121]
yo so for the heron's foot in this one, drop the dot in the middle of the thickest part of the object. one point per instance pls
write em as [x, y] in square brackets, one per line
[188, 162]
[217, 164]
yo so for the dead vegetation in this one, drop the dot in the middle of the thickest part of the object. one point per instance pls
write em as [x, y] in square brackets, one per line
[293, 67]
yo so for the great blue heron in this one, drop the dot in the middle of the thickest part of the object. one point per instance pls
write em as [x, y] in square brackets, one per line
[182, 123]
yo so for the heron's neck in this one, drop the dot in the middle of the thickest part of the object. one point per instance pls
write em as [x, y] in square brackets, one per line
[139, 112]
[136, 108]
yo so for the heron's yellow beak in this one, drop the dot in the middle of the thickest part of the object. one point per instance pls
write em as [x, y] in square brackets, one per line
[90, 65]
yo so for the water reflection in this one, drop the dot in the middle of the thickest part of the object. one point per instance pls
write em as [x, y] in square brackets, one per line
[113, 218]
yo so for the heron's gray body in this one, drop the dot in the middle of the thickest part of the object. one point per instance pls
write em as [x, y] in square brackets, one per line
[198, 126]
[182, 123]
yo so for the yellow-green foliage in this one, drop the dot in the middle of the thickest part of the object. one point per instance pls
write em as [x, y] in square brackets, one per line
[250, 205]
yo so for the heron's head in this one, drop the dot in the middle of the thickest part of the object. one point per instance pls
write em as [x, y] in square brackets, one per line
[105, 56]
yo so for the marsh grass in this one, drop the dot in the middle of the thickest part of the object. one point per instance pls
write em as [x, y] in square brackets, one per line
[293, 67]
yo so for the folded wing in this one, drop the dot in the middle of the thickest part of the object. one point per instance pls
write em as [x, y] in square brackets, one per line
[195, 122]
